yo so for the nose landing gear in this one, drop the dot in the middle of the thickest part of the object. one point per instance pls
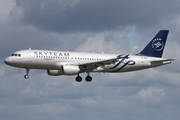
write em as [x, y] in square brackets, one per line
[27, 72]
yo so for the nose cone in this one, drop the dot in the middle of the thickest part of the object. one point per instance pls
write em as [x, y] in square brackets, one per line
[7, 61]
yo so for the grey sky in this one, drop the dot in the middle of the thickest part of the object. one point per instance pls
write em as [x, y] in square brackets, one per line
[92, 15]
[89, 26]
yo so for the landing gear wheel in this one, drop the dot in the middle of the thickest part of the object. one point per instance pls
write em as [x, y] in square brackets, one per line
[88, 78]
[78, 79]
[27, 72]
[26, 76]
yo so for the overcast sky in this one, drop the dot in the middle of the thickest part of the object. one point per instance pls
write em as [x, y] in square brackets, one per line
[112, 26]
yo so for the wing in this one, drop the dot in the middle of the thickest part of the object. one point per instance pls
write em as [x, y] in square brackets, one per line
[93, 65]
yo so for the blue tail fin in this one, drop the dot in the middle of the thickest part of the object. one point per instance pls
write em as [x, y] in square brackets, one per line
[156, 46]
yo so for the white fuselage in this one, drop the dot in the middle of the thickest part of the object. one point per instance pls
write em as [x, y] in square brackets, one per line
[43, 59]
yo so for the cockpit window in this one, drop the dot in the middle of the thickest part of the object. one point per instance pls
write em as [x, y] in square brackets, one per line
[19, 55]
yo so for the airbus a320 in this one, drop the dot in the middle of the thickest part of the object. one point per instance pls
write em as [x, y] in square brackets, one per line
[73, 63]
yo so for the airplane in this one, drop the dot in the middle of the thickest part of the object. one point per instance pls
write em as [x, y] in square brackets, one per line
[73, 63]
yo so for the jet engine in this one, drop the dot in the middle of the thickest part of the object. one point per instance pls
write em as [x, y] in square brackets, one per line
[70, 70]
[65, 70]
[54, 72]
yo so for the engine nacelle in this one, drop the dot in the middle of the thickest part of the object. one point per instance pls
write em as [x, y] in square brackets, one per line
[70, 70]
[54, 72]
[65, 70]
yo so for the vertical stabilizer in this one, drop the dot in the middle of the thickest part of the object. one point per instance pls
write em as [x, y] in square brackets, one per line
[156, 46]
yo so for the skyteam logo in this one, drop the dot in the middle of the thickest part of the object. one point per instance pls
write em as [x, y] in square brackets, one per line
[157, 44]
[124, 61]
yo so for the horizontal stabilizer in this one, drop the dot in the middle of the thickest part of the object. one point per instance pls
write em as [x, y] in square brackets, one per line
[161, 62]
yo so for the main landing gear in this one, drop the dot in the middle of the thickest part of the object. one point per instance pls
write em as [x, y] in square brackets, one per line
[27, 72]
[88, 78]
[78, 78]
